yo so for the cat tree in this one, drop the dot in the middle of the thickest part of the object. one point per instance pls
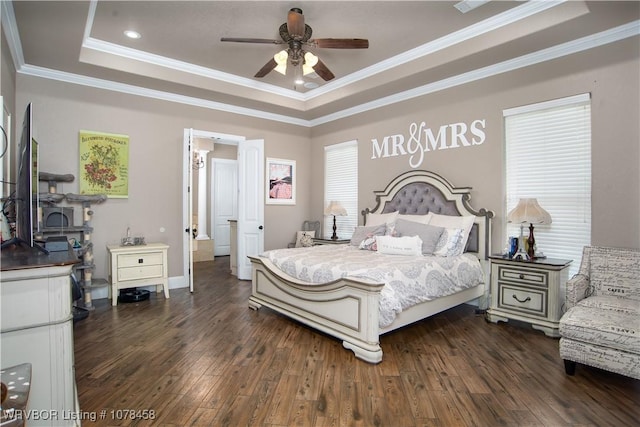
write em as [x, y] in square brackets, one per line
[87, 266]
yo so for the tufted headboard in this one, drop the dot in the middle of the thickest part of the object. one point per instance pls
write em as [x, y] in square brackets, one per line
[419, 192]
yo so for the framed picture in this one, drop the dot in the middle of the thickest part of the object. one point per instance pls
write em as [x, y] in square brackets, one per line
[281, 182]
[104, 164]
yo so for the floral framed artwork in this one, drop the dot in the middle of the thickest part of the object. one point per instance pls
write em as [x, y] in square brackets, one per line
[281, 182]
[104, 164]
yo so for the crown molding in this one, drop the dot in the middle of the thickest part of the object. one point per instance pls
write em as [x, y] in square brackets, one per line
[490, 24]
[609, 36]
[62, 76]
[585, 43]
[11, 32]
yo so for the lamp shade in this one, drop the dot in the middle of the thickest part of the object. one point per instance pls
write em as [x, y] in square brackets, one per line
[335, 208]
[529, 211]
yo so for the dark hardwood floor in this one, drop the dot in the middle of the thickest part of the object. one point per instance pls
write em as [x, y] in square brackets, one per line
[207, 359]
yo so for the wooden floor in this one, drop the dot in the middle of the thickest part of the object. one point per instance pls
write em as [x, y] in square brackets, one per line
[207, 359]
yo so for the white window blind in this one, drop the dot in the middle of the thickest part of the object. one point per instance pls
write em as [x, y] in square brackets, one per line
[548, 157]
[341, 184]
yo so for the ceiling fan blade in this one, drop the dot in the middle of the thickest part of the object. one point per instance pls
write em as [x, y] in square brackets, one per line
[341, 43]
[247, 40]
[295, 23]
[323, 71]
[267, 68]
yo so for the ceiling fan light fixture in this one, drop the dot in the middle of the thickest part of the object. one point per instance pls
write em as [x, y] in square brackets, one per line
[298, 75]
[310, 61]
[281, 59]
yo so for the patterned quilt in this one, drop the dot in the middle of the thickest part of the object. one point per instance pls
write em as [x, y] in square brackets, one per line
[408, 280]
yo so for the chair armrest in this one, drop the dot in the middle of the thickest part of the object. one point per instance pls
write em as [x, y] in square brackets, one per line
[578, 288]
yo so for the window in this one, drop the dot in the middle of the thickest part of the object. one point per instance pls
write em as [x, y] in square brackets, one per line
[548, 157]
[341, 184]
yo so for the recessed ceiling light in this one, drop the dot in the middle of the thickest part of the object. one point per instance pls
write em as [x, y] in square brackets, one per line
[132, 34]
[468, 5]
[311, 85]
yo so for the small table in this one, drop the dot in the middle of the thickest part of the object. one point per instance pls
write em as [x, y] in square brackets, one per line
[319, 241]
[138, 265]
[529, 291]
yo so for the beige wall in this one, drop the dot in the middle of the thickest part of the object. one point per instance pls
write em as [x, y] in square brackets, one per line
[155, 129]
[609, 73]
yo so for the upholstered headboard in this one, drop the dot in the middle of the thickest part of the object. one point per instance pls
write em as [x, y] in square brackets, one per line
[420, 192]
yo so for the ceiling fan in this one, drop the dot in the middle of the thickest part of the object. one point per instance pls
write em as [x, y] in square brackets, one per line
[297, 35]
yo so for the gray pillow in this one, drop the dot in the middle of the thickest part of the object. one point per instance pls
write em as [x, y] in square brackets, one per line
[430, 234]
[362, 232]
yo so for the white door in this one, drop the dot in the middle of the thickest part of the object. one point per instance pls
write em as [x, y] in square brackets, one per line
[187, 211]
[224, 196]
[250, 204]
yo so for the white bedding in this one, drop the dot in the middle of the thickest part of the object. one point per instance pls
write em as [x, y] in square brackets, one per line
[408, 280]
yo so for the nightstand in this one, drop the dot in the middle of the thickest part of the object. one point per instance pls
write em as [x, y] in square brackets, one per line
[140, 265]
[528, 291]
[319, 241]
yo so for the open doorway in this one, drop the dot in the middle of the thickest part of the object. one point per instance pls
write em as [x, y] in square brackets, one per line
[250, 204]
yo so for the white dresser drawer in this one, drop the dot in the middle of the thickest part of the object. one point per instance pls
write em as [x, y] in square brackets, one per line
[523, 300]
[521, 275]
[142, 272]
[132, 260]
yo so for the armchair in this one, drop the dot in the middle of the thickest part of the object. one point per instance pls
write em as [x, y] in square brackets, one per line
[601, 325]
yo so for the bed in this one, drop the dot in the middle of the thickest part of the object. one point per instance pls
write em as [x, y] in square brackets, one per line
[349, 308]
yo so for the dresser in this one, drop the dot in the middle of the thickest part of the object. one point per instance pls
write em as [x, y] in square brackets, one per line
[37, 330]
[528, 291]
[134, 266]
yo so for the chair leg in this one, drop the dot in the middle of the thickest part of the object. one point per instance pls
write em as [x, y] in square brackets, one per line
[569, 367]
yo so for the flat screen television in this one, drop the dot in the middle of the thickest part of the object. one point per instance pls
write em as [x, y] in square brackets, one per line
[26, 200]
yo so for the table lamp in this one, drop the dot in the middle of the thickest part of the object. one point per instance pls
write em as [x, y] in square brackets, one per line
[335, 208]
[527, 210]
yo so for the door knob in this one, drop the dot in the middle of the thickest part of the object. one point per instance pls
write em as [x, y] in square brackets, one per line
[260, 227]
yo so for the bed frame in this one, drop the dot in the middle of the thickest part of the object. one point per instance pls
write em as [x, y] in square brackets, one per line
[348, 308]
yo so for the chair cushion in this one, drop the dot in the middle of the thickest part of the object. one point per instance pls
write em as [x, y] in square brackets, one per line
[603, 327]
[608, 302]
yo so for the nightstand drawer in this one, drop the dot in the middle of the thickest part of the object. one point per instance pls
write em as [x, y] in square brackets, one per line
[134, 260]
[522, 300]
[521, 275]
[142, 272]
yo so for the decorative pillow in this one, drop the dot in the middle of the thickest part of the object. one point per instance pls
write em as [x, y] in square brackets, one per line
[380, 219]
[362, 232]
[369, 243]
[406, 245]
[422, 219]
[450, 243]
[306, 240]
[307, 236]
[429, 234]
[451, 221]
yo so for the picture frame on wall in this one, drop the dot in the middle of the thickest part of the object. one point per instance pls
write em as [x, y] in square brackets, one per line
[281, 182]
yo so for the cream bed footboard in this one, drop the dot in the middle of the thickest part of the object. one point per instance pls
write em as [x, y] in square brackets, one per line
[346, 309]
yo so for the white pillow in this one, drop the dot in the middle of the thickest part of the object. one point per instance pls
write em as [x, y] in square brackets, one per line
[450, 221]
[304, 242]
[422, 219]
[450, 243]
[406, 245]
[378, 219]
